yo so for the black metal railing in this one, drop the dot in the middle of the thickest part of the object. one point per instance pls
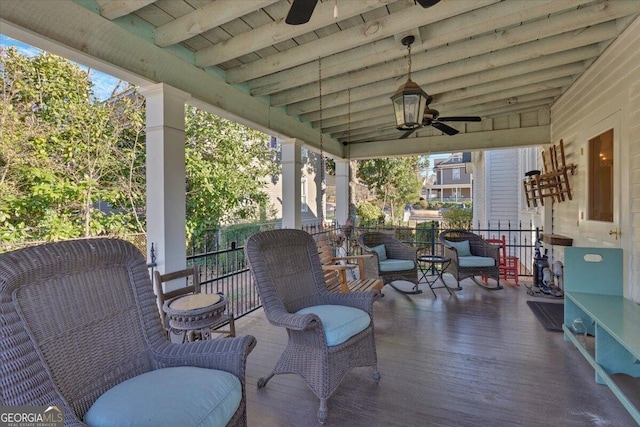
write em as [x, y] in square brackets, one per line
[226, 271]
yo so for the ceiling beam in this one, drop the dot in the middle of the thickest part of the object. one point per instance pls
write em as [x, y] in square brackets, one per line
[446, 62]
[83, 31]
[440, 83]
[404, 20]
[475, 141]
[437, 38]
[112, 9]
[386, 119]
[279, 31]
[201, 20]
[466, 94]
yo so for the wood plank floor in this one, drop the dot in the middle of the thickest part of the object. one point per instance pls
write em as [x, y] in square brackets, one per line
[478, 358]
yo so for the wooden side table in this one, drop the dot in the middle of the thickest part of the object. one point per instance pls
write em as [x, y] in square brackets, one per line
[196, 313]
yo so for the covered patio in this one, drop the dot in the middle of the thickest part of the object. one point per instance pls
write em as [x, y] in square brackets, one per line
[532, 72]
[535, 72]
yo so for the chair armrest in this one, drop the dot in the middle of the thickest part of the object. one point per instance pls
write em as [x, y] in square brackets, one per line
[359, 299]
[349, 257]
[293, 321]
[338, 267]
[360, 259]
[228, 354]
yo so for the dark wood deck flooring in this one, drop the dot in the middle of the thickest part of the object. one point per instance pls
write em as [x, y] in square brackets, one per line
[479, 358]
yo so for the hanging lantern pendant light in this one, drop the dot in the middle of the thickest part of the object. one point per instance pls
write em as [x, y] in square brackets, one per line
[410, 100]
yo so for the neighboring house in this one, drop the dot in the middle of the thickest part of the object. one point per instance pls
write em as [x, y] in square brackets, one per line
[452, 181]
[496, 178]
[311, 199]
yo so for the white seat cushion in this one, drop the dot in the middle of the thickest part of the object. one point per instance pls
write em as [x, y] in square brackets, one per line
[476, 261]
[396, 265]
[180, 396]
[339, 322]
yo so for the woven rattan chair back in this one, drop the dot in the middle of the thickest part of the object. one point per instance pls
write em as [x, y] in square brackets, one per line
[288, 274]
[79, 317]
[86, 307]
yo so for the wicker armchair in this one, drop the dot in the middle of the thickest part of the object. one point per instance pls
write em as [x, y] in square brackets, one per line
[290, 280]
[80, 330]
[470, 256]
[395, 260]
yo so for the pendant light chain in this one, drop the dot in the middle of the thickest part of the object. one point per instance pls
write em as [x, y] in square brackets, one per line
[349, 146]
[322, 183]
[409, 49]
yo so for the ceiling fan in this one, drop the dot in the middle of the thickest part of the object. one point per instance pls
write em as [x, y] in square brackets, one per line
[301, 10]
[432, 118]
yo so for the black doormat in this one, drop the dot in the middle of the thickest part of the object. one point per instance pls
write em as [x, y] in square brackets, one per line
[550, 314]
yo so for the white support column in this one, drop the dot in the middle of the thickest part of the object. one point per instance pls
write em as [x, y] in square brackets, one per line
[342, 191]
[291, 181]
[166, 175]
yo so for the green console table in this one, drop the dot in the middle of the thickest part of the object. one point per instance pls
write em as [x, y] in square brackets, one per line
[594, 304]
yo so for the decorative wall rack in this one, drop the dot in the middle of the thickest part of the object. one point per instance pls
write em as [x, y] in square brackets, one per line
[553, 182]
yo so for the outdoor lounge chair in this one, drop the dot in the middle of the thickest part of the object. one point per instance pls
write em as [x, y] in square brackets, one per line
[329, 332]
[395, 260]
[336, 272]
[80, 332]
[470, 256]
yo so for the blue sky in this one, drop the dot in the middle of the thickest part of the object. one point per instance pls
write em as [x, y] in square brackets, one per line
[103, 84]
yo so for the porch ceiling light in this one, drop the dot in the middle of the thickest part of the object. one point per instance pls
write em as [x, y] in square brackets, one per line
[410, 100]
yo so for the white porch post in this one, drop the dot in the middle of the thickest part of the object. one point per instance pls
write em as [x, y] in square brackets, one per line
[291, 181]
[342, 191]
[166, 175]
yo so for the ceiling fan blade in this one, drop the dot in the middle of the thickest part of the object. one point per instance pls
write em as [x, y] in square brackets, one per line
[300, 12]
[427, 3]
[460, 119]
[444, 128]
[406, 134]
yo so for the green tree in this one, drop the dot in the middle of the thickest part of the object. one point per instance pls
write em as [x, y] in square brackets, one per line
[62, 153]
[458, 217]
[395, 181]
[227, 167]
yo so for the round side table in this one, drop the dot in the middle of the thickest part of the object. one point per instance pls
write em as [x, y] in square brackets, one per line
[195, 313]
[429, 263]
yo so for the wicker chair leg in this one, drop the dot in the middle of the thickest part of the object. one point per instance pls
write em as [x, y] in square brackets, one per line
[263, 381]
[376, 374]
[322, 412]
[232, 326]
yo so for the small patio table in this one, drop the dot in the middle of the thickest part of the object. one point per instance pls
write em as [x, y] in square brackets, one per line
[195, 313]
[429, 263]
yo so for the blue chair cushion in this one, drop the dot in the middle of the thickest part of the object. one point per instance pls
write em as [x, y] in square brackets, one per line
[389, 265]
[462, 247]
[476, 261]
[180, 396]
[339, 322]
[382, 252]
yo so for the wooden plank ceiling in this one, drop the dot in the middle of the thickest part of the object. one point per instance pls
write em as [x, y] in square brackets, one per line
[505, 61]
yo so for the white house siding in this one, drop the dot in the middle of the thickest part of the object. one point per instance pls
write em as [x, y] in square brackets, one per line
[501, 174]
[609, 88]
[479, 188]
